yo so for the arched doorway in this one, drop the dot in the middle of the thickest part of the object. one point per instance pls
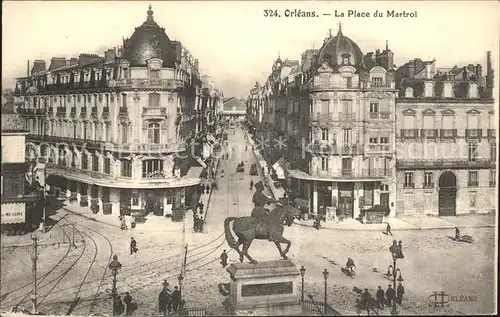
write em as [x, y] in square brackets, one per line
[447, 194]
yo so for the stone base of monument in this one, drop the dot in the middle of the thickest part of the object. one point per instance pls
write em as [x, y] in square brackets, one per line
[267, 289]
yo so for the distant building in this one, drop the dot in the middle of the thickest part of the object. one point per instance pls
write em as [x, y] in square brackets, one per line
[234, 109]
[446, 136]
[130, 129]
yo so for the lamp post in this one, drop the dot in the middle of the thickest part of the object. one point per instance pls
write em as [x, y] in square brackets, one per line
[302, 273]
[325, 275]
[180, 278]
[396, 254]
[114, 266]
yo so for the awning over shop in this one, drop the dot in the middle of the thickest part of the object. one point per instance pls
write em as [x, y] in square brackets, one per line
[302, 175]
[279, 168]
[201, 163]
[194, 171]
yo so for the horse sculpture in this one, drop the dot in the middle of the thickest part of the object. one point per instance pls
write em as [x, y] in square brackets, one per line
[249, 228]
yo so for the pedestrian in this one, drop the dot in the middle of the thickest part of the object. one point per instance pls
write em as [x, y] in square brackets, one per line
[389, 294]
[223, 259]
[399, 293]
[118, 304]
[365, 298]
[380, 297]
[208, 188]
[246, 147]
[162, 302]
[133, 246]
[128, 304]
[400, 245]
[176, 298]
[388, 229]
[251, 184]
[202, 188]
[394, 249]
[123, 223]
[457, 233]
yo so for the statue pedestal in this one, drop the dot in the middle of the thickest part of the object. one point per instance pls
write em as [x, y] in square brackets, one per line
[267, 289]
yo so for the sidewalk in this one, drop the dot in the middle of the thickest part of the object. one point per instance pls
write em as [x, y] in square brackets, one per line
[24, 240]
[410, 223]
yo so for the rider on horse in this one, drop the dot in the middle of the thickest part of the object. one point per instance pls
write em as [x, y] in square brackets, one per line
[259, 199]
[349, 265]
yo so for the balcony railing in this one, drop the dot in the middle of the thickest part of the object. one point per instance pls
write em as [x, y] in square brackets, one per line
[73, 110]
[319, 116]
[378, 148]
[407, 134]
[154, 111]
[493, 183]
[473, 184]
[347, 172]
[380, 115]
[409, 185]
[350, 172]
[123, 110]
[94, 110]
[147, 83]
[105, 110]
[473, 133]
[428, 185]
[83, 110]
[448, 134]
[444, 163]
[431, 134]
[347, 116]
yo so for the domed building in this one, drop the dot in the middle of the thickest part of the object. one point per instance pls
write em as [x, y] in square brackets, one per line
[336, 113]
[113, 128]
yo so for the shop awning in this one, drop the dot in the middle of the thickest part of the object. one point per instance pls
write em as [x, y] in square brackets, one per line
[194, 171]
[345, 179]
[279, 168]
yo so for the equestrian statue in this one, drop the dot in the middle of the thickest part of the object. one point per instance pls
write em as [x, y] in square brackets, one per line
[262, 225]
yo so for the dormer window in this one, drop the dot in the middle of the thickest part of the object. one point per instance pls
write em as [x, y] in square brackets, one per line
[154, 74]
[409, 92]
[125, 73]
[345, 59]
[327, 59]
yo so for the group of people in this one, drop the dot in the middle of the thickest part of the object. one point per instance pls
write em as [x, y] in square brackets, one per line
[198, 217]
[388, 298]
[168, 300]
[127, 305]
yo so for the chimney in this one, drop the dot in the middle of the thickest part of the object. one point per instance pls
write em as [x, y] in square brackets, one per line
[110, 55]
[427, 70]
[479, 71]
[473, 92]
[411, 69]
[28, 69]
[377, 54]
[85, 59]
[196, 64]
[471, 68]
[38, 66]
[489, 71]
[465, 73]
[57, 62]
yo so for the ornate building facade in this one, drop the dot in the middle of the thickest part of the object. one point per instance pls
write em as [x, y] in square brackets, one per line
[446, 135]
[335, 111]
[127, 128]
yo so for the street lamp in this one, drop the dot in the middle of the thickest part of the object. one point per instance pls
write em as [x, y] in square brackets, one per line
[302, 273]
[396, 254]
[325, 275]
[114, 266]
[180, 278]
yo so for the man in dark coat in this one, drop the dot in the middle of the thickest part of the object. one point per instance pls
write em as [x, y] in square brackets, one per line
[399, 293]
[380, 297]
[133, 246]
[388, 229]
[176, 298]
[251, 184]
[223, 259]
[162, 302]
[400, 245]
[128, 304]
[389, 293]
[394, 249]
[365, 298]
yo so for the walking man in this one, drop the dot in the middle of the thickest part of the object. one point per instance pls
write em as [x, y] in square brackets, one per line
[388, 229]
[389, 293]
[176, 298]
[133, 246]
[380, 297]
[399, 293]
[251, 184]
[128, 304]
[223, 259]
[162, 302]
[400, 244]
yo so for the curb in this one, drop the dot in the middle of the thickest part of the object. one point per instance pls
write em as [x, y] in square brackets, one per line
[25, 244]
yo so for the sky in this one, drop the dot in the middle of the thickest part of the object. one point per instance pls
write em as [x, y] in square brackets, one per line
[236, 43]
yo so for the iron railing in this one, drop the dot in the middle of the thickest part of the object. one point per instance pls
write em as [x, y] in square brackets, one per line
[444, 163]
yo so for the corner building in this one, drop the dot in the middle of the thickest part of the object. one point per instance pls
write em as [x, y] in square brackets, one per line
[446, 136]
[132, 128]
[336, 110]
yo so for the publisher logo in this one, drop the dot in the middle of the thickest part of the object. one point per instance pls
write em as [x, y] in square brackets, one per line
[442, 299]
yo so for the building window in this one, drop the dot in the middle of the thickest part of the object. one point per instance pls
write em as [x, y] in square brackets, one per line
[346, 166]
[368, 194]
[409, 180]
[428, 180]
[95, 163]
[472, 199]
[124, 133]
[324, 134]
[347, 82]
[154, 100]
[493, 178]
[373, 140]
[125, 73]
[373, 107]
[107, 166]
[472, 152]
[154, 133]
[124, 100]
[152, 168]
[127, 168]
[493, 152]
[346, 136]
[384, 140]
[324, 164]
[170, 200]
[154, 74]
[384, 187]
[85, 161]
[345, 59]
[473, 179]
